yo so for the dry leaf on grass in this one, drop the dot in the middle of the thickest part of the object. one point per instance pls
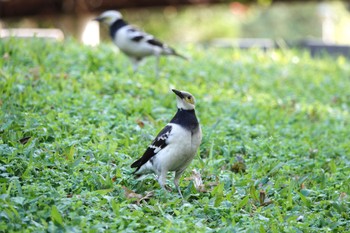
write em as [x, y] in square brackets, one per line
[35, 71]
[239, 166]
[197, 181]
[264, 201]
[129, 194]
[343, 196]
[140, 123]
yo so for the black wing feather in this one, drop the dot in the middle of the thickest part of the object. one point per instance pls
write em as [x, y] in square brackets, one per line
[158, 142]
[137, 38]
[136, 35]
[155, 42]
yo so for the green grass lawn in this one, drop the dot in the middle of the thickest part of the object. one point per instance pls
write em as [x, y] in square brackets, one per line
[73, 119]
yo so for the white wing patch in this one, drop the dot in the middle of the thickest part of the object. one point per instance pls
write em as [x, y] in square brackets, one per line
[163, 136]
[155, 148]
[137, 35]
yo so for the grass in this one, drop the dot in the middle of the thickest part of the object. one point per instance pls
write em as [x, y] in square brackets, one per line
[275, 154]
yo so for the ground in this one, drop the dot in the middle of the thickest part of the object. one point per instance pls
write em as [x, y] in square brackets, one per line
[275, 154]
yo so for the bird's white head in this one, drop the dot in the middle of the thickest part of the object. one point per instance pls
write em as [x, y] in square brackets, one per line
[185, 100]
[109, 17]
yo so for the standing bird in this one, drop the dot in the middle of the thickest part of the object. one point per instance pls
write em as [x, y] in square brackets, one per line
[175, 146]
[132, 42]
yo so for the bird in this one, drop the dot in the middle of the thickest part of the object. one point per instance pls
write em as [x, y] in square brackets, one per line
[134, 43]
[175, 146]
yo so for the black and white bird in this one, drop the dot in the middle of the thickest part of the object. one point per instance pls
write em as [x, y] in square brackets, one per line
[133, 42]
[175, 146]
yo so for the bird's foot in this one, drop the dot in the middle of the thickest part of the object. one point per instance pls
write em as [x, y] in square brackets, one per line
[179, 191]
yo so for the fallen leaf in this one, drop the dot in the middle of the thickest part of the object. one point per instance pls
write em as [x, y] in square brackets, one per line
[264, 201]
[129, 194]
[197, 181]
[239, 166]
[140, 123]
[212, 184]
[262, 196]
[146, 197]
[35, 71]
[343, 196]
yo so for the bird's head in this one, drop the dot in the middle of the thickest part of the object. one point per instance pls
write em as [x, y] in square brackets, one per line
[109, 17]
[185, 100]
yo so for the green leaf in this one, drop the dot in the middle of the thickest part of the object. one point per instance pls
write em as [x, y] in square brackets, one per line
[89, 117]
[306, 192]
[103, 191]
[305, 200]
[262, 229]
[333, 166]
[6, 125]
[115, 206]
[276, 169]
[254, 193]
[289, 202]
[219, 194]
[278, 213]
[243, 202]
[70, 154]
[56, 216]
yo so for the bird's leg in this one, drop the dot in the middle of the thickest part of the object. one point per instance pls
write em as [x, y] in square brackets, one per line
[162, 180]
[176, 182]
[135, 64]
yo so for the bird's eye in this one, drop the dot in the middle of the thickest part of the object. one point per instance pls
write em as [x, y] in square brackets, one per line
[189, 99]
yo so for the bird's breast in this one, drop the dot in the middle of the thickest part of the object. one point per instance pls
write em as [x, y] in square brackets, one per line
[180, 151]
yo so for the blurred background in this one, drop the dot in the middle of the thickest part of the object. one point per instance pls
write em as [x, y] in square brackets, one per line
[244, 24]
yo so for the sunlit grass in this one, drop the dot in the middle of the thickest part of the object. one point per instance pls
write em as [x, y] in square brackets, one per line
[74, 118]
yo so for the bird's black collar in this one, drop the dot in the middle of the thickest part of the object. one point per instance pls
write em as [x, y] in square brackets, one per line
[116, 26]
[185, 118]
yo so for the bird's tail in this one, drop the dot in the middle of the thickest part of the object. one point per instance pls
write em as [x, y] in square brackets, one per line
[142, 170]
[171, 51]
[174, 53]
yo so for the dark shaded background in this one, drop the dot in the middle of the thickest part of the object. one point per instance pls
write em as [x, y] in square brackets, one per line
[15, 8]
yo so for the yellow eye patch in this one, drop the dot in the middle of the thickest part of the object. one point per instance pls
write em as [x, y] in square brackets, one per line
[189, 99]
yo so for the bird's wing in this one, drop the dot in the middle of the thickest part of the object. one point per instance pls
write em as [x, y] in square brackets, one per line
[155, 42]
[158, 143]
[137, 35]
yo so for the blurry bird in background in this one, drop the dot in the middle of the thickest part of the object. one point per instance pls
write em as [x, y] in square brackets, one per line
[133, 42]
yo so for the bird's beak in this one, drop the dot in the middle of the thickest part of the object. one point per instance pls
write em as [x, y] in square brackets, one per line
[178, 93]
[99, 19]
